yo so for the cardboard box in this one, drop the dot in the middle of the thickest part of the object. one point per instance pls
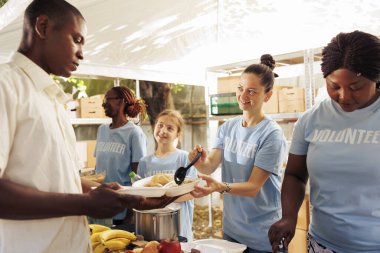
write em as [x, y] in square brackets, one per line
[228, 84]
[292, 94]
[272, 105]
[91, 102]
[289, 106]
[304, 215]
[91, 160]
[86, 112]
[299, 242]
[91, 107]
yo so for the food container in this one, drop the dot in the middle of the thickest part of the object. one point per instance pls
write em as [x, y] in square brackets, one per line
[158, 224]
[214, 245]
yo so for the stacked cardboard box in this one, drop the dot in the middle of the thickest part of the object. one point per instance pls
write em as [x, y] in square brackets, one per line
[228, 84]
[91, 107]
[271, 106]
[299, 241]
[291, 100]
[91, 161]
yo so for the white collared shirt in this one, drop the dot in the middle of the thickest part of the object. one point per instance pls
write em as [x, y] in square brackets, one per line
[37, 149]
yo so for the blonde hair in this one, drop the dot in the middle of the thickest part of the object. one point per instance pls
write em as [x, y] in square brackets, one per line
[180, 122]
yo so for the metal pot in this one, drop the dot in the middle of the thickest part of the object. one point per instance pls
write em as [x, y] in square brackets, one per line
[158, 224]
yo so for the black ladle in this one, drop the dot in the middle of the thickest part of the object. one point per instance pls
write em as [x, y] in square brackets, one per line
[180, 173]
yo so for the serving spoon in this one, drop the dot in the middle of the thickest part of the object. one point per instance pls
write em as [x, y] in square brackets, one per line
[180, 173]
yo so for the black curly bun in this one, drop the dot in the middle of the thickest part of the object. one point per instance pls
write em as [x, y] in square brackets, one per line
[268, 60]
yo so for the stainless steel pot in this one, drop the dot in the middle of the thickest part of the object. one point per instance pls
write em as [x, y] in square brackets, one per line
[158, 224]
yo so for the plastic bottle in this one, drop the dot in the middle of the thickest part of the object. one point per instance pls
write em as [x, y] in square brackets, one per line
[134, 177]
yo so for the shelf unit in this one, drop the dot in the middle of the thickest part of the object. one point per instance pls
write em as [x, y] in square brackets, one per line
[89, 121]
[277, 117]
[301, 63]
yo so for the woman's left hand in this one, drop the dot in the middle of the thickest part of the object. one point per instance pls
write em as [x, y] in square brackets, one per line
[212, 186]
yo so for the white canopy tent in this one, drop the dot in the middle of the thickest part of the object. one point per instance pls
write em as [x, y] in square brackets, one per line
[176, 40]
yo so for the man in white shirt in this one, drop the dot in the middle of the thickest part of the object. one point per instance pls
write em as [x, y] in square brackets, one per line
[43, 201]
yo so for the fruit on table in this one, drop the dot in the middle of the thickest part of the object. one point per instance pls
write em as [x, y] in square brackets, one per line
[99, 249]
[108, 240]
[152, 243]
[116, 244]
[116, 233]
[169, 246]
[150, 249]
[96, 228]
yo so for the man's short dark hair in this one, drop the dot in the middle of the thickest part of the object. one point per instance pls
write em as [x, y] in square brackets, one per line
[57, 10]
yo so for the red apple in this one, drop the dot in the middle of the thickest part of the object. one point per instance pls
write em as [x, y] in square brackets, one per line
[169, 246]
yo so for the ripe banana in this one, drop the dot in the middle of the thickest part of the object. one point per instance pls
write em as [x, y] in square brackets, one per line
[96, 228]
[116, 233]
[100, 249]
[124, 240]
[95, 244]
[116, 244]
[95, 237]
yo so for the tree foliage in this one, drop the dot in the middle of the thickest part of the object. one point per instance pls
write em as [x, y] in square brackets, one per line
[2, 2]
[157, 97]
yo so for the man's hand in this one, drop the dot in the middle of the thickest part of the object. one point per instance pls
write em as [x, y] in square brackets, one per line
[105, 201]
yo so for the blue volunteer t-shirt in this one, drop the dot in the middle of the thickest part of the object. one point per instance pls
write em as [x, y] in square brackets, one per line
[247, 219]
[116, 149]
[343, 162]
[152, 165]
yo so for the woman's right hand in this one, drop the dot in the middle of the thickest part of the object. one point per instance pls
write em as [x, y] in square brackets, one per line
[194, 152]
[212, 186]
[283, 229]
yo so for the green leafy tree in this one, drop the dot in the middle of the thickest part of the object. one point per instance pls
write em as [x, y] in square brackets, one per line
[2, 2]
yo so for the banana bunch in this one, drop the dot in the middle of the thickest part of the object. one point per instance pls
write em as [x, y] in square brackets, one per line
[103, 239]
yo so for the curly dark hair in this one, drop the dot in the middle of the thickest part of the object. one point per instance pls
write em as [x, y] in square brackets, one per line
[356, 51]
[133, 106]
[264, 71]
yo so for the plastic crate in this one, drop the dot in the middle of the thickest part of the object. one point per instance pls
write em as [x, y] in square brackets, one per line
[224, 104]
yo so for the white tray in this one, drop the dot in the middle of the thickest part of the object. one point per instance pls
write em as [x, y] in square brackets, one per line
[214, 245]
[171, 189]
[148, 192]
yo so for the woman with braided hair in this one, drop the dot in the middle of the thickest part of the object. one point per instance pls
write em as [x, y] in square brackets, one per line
[121, 144]
[336, 144]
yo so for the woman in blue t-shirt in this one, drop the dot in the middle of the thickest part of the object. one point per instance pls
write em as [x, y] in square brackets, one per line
[251, 149]
[337, 144]
[121, 144]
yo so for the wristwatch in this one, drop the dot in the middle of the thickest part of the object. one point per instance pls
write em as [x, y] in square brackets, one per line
[228, 188]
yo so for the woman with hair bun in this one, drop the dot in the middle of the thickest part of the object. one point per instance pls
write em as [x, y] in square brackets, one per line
[251, 149]
[121, 144]
[336, 144]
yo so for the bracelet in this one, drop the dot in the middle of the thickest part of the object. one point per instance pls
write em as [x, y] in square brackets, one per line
[228, 188]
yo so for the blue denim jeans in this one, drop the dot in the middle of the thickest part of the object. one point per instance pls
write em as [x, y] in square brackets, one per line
[248, 250]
